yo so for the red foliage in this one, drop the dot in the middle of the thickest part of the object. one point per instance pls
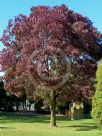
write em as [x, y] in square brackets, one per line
[57, 27]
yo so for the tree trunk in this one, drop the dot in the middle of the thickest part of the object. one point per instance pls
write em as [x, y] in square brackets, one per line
[53, 109]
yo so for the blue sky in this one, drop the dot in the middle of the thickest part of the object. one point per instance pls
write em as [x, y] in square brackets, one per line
[89, 8]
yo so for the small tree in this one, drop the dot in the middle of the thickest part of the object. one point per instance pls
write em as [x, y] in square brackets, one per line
[97, 99]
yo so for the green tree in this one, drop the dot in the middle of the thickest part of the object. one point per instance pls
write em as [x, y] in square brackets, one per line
[97, 99]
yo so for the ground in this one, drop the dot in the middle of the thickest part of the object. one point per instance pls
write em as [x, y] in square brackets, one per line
[38, 125]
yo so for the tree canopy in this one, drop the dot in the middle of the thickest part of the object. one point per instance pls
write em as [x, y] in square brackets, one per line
[57, 28]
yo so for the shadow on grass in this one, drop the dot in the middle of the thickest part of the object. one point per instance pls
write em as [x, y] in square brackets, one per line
[23, 119]
[85, 127]
[7, 128]
[30, 118]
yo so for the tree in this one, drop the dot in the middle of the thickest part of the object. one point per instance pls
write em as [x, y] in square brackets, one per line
[2, 95]
[9, 101]
[45, 49]
[97, 98]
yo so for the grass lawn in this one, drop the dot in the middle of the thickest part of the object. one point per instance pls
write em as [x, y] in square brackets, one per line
[19, 125]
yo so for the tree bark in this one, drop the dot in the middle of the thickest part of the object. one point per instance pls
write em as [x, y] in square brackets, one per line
[53, 109]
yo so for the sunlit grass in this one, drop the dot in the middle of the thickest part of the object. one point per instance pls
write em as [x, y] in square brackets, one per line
[19, 125]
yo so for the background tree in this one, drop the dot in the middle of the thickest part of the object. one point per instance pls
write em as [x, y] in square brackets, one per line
[97, 99]
[41, 47]
[8, 101]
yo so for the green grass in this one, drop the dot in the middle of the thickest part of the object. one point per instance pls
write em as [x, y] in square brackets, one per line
[19, 125]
